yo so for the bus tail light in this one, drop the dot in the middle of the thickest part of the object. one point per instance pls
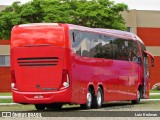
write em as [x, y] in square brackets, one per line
[65, 80]
[13, 80]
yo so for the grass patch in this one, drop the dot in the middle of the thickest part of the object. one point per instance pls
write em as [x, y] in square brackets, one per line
[154, 96]
[6, 101]
[154, 91]
[17, 108]
[6, 94]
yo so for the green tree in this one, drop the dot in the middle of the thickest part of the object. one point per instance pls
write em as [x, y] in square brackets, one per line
[90, 13]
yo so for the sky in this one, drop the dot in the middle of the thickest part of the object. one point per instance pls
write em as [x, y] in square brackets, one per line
[133, 4]
[141, 4]
[9, 2]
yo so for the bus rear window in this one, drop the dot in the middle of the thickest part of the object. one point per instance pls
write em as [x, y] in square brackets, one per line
[37, 35]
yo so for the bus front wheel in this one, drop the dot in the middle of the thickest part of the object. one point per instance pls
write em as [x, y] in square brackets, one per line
[40, 106]
[139, 96]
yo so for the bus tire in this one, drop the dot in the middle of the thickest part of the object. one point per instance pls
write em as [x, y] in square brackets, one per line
[40, 106]
[139, 96]
[89, 98]
[98, 99]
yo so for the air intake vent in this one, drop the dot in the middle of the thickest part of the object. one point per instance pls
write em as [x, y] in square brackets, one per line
[38, 61]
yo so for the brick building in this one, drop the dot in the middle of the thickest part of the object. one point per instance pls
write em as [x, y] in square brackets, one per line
[5, 79]
[2, 7]
[146, 24]
[4, 63]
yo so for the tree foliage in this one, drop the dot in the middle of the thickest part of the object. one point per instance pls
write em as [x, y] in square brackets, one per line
[90, 13]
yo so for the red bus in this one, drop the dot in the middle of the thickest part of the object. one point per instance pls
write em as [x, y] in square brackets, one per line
[53, 64]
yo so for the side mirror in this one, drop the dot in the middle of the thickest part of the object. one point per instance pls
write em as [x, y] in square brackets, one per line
[152, 58]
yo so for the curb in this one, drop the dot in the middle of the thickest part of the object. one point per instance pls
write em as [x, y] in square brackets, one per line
[154, 93]
[150, 99]
[5, 97]
[1, 104]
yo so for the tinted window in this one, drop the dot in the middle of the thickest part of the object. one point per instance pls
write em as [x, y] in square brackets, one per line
[76, 43]
[85, 43]
[80, 42]
[120, 49]
[4, 60]
[135, 56]
[89, 44]
[107, 46]
[142, 46]
[96, 46]
[126, 50]
[142, 49]
[101, 46]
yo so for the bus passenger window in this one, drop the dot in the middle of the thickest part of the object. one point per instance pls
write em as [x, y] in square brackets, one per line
[120, 49]
[96, 46]
[75, 40]
[104, 48]
[135, 53]
[85, 44]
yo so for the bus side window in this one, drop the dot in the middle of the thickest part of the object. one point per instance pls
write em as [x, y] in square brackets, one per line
[95, 46]
[120, 49]
[75, 38]
[107, 50]
[85, 44]
[135, 56]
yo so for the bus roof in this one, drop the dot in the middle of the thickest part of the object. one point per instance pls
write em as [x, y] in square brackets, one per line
[111, 32]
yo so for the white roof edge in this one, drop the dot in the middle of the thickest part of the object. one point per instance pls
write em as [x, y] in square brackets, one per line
[35, 24]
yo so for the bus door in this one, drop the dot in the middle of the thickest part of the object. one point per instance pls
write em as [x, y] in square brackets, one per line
[146, 73]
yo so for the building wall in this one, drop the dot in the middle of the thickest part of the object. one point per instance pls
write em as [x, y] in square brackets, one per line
[147, 25]
[131, 20]
[5, 80]
[2, 7]
[150, 36]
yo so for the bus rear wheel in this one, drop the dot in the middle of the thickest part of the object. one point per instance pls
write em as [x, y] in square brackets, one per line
[89, 98]
[40, 106]
[98, 99]
[139, 96]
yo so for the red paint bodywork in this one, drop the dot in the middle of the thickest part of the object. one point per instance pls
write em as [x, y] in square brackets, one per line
[119, 79]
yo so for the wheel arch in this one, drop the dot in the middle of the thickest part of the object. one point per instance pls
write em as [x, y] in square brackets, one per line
[92, 87]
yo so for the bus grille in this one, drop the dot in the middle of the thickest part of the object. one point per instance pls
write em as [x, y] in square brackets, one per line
[38, 61]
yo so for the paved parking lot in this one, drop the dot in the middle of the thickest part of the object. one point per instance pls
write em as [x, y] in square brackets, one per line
[109, 110]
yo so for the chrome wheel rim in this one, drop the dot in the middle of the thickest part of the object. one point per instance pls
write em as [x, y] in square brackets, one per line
[139, 95]
[99, 98]
[89, 99]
